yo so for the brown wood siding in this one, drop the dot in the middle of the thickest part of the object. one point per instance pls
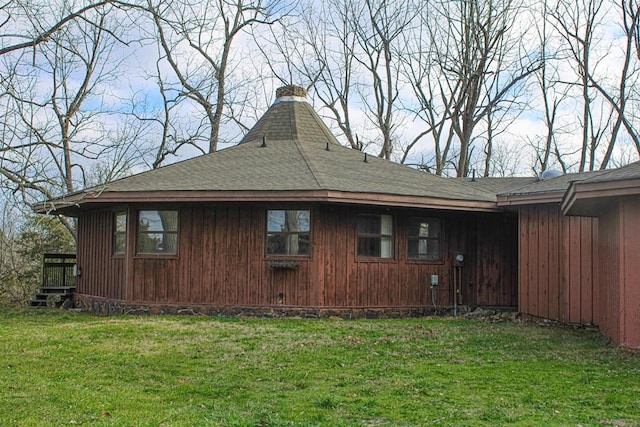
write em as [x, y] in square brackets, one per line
[609, 301]
[558, 264]
[221, 262]
[619, 290]
[496, 245]
[631, 271]
[102, 273]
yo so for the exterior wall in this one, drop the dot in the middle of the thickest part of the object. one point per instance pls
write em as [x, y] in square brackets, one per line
[558, 265]
[101, 273]
[620, 273]
[221, 262]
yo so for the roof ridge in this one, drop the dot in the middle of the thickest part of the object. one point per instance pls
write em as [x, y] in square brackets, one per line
[327, 132]
[298, 145]
[307, 161]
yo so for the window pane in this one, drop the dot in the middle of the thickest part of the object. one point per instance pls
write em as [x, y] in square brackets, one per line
[121, 222]
[424, 228]
[169, 244]
[287, 244]
[369, 246]
[152, 243]
[288, 232]
[275, 244]
[119, 232]
[368, 224]
[289, 220]
[119, 243]
[149, 243]
[158, 232]
[275, 220]
[375, 236]
[428, 249]
[150, 221]
[386, 247]
[424, 239]
[433, 249]
[386, 225]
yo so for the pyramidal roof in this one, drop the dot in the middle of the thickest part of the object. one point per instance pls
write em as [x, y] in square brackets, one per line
[289, 155]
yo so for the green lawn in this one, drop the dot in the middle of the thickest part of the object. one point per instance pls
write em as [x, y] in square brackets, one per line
[64, 368]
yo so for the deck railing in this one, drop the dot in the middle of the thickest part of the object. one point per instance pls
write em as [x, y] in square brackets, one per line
[57, 270]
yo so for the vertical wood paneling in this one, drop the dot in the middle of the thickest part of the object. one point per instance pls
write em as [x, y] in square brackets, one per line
[553, 264]
[575, 268]
[393, 285]
[102, 273]
[221, 262]
[258, 294]
[495, 269]
[533, 261]
[242, 261]
[630, 249]
[586, 272]
[232, 250]
[565, 269]
[595, 303]
[556, 270]
[317, 274]
[610, 232]
[184, 252]
[543, 261]
[523, 254]
[208, 250]
[197, 255]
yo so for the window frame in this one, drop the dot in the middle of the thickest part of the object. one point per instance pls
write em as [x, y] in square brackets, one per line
[440, 240]
[267, 233]
[380, 236]
[115, 232]
[138, 234]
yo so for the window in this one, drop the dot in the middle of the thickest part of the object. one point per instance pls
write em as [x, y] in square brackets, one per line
[157, 232]
[119, 233]
[375, 236]
[288, 232]
[424, 239]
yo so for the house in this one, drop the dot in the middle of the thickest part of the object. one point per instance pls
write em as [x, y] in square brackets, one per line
[290, 222]
[613, 198]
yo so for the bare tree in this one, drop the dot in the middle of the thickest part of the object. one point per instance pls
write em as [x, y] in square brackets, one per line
[37, 30]
[553, 94]
[57, 121]
[467, 63]
[619, 97]
[576, 22]
[317, 48]
[349, 53]
[378, 27]
[197, 39]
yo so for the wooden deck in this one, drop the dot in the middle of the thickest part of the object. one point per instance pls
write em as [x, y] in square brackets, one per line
[58, 280]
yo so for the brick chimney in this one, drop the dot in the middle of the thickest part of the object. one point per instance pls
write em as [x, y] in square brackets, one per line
[291, 90]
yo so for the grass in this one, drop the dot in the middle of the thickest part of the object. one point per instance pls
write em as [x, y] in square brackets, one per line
[65, 368]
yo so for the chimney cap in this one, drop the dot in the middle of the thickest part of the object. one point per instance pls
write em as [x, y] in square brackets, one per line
[291, 90]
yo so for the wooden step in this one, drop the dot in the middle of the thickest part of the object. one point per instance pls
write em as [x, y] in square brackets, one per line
[52, 297]
[67, 290]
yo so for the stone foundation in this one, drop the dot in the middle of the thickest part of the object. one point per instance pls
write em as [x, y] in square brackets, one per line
[105, 307]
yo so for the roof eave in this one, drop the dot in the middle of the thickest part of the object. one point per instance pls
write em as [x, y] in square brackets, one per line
[72, 205]
[588, 198]
[505, 200]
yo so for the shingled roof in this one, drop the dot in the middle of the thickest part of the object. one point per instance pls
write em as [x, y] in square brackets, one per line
[289, 155]
[549, 190]
[630, 171]
[590, 196]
